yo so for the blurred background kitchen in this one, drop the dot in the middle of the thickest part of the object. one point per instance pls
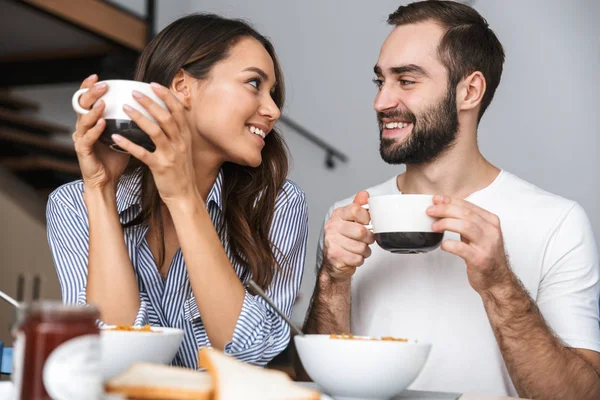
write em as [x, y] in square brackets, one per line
[543, 125]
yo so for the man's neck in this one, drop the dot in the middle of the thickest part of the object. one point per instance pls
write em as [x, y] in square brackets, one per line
[459, 172]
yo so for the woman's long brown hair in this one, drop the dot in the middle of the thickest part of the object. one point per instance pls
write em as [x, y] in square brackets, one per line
[195, 43]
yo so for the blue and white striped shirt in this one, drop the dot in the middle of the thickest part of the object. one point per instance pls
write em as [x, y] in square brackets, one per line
[260, 334]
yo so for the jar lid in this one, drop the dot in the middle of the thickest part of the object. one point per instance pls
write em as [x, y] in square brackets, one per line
[56, 309]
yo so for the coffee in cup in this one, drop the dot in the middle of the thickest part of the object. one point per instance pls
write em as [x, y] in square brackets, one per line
[401, 224]
[118, 94]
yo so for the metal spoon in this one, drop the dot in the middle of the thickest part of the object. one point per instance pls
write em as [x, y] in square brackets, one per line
[262, 294]
[10, 300]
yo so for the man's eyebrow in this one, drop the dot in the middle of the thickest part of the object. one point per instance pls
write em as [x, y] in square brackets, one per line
[403, 69]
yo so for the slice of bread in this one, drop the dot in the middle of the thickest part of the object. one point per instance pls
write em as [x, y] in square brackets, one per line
[235, 380]
[161, 382]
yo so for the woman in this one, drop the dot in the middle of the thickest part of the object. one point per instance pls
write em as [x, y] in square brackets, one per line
[214, 193]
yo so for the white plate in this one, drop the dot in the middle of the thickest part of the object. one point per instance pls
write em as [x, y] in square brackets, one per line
[6, 390]
[6, 393]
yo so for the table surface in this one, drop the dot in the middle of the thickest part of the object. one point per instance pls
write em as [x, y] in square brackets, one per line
[6, 392]
[476, 396]
[421, 395]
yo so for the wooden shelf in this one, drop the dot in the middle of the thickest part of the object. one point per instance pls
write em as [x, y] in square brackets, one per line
[29, 163]
[60, 41]
[13, 119]
[73, 23]
[100, 18]
[18, 103]
[56, 42]
[42, 142]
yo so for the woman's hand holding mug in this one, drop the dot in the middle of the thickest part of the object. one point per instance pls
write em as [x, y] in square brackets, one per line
[100, 166]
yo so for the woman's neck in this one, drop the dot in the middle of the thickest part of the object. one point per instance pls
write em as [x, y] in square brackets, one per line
[207, 160]
[206, 167]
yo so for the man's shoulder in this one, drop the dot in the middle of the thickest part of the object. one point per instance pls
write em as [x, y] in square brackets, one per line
[517, 193]
[531, 216]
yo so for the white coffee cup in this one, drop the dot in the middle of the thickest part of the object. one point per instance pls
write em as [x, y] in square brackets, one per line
[401, 224]
[118, 94]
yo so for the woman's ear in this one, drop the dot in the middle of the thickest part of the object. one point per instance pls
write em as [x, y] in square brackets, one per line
[181, 88]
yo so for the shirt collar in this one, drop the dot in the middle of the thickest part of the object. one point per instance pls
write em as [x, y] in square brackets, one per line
[129, 191]
[216, 192]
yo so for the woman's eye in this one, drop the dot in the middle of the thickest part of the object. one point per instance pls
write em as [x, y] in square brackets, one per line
[255, 82]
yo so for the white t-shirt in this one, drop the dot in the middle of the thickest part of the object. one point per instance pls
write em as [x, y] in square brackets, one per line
[552, 250]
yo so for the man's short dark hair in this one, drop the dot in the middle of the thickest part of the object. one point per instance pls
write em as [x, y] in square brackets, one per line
[468, 45]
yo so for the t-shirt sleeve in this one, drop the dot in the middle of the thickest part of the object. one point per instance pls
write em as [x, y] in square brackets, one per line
[569, 291]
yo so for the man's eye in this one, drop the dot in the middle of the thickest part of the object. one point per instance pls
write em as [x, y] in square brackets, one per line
[404, 82]
[378, 82]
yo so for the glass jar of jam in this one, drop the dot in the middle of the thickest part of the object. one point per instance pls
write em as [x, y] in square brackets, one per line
[57, 352]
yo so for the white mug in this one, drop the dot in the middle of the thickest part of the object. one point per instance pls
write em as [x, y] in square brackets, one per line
[401, 224]
[118, 94]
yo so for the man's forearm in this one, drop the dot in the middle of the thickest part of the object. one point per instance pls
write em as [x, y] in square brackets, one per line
[330, 308]
[539, 364]
[328, 313]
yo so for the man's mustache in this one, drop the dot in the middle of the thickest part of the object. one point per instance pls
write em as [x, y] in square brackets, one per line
[406, 116]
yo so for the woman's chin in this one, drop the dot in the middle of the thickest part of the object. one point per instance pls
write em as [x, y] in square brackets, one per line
[255, 163]
[252, 162]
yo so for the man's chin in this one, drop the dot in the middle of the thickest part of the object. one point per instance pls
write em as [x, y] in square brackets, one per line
[392, 156]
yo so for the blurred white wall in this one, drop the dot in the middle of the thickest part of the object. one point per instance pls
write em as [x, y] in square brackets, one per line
[23, 248]
[543, 124]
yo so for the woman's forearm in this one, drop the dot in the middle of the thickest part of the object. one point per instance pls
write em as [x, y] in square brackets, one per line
[218, 291]
[111, 283]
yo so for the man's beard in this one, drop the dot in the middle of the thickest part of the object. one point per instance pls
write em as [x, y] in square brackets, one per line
[433, 132]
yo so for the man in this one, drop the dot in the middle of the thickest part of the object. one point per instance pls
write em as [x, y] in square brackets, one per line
[510, 299]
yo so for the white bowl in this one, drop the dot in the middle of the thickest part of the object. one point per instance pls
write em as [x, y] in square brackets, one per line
[361, 369]
[120, 349]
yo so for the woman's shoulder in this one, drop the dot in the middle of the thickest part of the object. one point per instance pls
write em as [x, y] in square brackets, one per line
[291, 188]
[291, 192]
[290, 195]
[68, 195]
